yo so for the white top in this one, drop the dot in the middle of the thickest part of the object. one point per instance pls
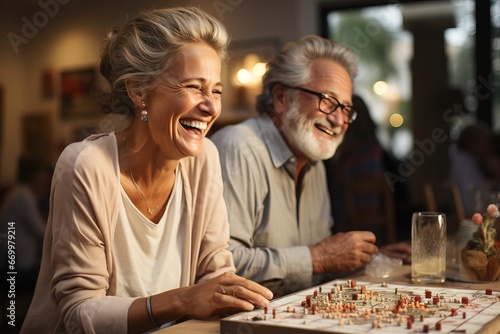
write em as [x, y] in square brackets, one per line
[152, 251]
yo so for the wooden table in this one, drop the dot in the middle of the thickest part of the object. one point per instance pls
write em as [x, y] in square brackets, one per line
[402, 276]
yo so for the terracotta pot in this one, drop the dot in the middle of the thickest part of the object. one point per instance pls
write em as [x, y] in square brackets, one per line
[477, 267]
[494, 268]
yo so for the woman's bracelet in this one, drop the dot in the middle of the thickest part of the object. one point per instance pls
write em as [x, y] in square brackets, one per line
[150, 311]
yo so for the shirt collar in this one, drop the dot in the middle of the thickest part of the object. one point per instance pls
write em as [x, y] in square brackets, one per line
[280, 153]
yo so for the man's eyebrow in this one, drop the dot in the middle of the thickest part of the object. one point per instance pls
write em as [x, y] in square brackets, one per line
[331, 94]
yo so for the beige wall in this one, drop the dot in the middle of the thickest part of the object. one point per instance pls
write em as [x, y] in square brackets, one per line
[71, 36]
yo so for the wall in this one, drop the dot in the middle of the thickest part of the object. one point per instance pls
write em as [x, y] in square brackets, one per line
[11, 80]
[66, 34]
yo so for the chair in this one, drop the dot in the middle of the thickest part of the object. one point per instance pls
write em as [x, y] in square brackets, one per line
[445, 197]
[370, 206]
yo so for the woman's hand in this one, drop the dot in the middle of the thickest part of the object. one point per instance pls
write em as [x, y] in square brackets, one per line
[228, 293]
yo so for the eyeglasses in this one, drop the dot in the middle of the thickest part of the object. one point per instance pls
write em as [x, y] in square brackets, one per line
[329, 104]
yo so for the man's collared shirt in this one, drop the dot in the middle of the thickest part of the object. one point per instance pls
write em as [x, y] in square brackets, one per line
[271, 227]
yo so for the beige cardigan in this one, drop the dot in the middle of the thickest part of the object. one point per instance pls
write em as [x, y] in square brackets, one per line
[75, 292]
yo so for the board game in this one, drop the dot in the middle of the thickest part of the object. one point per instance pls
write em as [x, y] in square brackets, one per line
[347, 306]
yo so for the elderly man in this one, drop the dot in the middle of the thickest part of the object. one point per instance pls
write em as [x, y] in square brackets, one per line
[274, 181]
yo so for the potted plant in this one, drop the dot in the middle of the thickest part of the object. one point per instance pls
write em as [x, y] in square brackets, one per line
[481, 255]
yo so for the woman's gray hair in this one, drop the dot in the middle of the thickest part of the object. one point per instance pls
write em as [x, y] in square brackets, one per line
[143, 47]
[292, 65]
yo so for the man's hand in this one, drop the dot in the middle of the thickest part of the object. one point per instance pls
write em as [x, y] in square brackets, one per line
[343, 252]
[400, 250]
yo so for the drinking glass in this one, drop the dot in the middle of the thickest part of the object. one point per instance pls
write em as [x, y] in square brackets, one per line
[428, 246]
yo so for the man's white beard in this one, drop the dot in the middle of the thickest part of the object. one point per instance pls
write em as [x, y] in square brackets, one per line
[299, 131]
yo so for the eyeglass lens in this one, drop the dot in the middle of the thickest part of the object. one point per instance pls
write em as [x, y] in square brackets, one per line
[330, 105]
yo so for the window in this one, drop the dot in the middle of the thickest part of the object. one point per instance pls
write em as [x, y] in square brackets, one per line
[385, 47]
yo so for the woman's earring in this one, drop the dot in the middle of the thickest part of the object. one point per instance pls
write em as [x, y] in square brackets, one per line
[144, 113]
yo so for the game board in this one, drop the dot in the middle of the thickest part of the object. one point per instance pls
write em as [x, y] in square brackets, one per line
[372, 308]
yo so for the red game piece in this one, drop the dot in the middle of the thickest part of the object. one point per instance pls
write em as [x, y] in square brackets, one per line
[426, 328]
[489, 292]
[354, 296]
[465, 300]
[353, 284]
[408, 324]
[435, 301]
[454, 311]
[438, 326]
[428, 294]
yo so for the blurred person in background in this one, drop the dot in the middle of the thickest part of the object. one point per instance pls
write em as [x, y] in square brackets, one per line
[22, 207]
[475, 165]
[361, 155]
[23, 220]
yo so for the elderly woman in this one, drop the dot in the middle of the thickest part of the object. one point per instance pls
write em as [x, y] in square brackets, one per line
[137, 217]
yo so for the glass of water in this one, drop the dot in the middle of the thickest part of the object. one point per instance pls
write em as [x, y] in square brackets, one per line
[428, 246]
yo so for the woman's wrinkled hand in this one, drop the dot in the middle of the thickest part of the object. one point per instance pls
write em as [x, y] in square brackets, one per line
[227, 293]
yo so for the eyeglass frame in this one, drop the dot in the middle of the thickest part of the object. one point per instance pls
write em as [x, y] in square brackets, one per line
[351, 116]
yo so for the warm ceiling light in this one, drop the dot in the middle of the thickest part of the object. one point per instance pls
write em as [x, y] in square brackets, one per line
[243, 76]
[380, 87]
[396, 120]
[259, 69]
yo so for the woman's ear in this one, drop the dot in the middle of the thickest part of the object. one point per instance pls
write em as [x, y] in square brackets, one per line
[135, 93]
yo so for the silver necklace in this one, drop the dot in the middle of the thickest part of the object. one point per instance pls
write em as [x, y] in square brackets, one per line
[149, 210]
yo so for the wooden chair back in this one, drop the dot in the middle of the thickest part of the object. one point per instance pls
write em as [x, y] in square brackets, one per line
[445, 197]
[379, 216]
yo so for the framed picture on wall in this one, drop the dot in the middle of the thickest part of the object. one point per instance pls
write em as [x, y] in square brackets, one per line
[77, 94]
